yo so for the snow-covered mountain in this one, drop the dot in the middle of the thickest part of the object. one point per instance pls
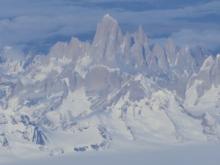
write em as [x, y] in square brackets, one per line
[119, 88]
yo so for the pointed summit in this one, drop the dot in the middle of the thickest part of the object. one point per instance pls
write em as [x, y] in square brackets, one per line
[207, 64]
[109, 18]
[141, 36]
[171, 51]
[216, 71]
[107, 39]
[107, 27]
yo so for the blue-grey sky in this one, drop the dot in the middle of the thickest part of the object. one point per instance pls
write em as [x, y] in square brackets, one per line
[34, 25]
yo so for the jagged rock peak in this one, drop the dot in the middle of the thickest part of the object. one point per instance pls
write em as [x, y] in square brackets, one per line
[208, 63]
[107, 39]
[107, 27]
[171, 51]
[109, 18]
[141, 36]
[218, 57]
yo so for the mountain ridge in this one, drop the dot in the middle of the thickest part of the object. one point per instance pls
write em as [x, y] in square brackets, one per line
[119, 87]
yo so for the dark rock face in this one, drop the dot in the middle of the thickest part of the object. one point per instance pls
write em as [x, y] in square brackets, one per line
[3, 140]
[81, 149]
[25, 120]
[39, 137]
[95, 146]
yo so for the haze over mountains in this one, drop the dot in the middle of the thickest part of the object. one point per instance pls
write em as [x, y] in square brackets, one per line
[118, 88]
[34, 26]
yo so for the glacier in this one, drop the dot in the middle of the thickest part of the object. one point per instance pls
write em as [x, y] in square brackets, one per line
[118, 91]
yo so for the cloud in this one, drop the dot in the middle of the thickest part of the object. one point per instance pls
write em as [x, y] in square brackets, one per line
[203, 38]
[36, 25]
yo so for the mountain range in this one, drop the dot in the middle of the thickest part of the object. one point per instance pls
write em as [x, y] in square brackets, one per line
[120, 88]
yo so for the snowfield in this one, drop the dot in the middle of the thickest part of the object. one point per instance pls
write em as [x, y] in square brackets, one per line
[203, 154]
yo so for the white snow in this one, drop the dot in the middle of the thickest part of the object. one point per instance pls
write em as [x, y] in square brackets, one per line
[117, 93]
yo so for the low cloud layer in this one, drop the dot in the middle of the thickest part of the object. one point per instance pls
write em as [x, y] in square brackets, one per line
[34, 25]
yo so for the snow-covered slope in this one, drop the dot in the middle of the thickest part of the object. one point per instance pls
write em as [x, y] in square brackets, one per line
[118, 89]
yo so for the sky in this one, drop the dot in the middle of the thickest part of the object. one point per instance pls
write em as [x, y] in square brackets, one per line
[35, 25]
